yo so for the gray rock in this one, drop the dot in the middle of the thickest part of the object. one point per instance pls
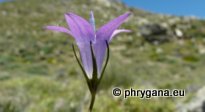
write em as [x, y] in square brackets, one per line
[178, 33]
[154, 32]
[196, 104]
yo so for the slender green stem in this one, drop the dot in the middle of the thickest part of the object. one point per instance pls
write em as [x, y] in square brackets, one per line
[94, 62]
[75, 54]
[106, 62]
[92, 101]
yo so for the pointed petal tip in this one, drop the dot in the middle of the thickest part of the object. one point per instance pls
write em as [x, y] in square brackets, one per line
[128, 13]
[58, 29]
[106, 31]
[126, 30]
[91, 14]
[116, 32]
[91, 11]
[69, 14]
[48, 27]
[45, 27]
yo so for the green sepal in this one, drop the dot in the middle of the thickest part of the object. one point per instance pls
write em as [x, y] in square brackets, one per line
[106, 62]
[84, 73]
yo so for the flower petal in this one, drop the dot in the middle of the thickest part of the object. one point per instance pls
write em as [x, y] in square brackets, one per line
[86, 57]
[80, 28]
[100, 49]
[92, 20]
[59, 29]
[116, 32]
[105, 32]
[84, 34]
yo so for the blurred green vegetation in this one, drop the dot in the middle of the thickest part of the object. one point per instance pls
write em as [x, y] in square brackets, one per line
[38, 71]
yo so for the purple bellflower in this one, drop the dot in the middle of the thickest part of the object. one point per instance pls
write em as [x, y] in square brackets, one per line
[92, 45]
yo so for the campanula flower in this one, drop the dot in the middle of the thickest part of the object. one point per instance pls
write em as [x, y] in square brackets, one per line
[92, 43]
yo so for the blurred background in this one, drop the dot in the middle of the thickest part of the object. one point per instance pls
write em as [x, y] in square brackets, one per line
[166, 50]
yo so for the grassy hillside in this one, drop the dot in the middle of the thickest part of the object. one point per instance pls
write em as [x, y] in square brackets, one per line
[38, 71]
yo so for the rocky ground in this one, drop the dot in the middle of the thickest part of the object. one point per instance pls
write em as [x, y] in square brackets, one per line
[38, 71]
